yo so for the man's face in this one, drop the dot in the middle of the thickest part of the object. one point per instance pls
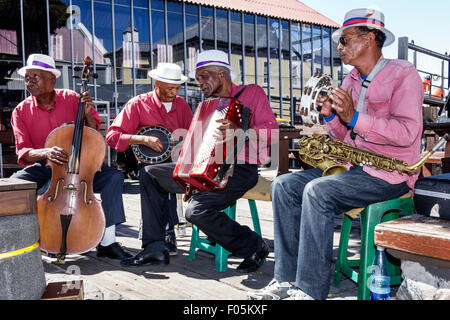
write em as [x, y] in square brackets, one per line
[166, 92]
[210, 80]
[39, 82]
[351, 46]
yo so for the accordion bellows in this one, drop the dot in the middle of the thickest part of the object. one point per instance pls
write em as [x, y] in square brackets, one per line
[205, 163]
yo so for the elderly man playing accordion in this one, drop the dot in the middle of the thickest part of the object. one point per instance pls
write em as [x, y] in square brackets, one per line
[214, 75]
[387, 120]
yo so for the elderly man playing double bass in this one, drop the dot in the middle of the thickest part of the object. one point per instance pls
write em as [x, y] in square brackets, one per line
[385, 119]
[34, 118]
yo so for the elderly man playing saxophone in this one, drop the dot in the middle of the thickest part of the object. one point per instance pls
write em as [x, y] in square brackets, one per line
[387, 119]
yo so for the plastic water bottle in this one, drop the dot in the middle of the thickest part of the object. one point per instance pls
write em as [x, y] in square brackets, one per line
[379, 281]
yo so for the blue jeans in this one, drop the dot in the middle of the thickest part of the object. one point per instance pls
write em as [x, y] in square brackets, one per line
[304, 205]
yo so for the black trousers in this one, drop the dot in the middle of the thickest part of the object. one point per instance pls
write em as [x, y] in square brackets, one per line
[204, 209]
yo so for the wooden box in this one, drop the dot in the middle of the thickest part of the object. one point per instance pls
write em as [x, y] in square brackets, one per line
[64, 290]
[416, 238]
[17, 196]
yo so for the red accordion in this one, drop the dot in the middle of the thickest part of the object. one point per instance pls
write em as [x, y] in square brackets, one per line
[204, 162]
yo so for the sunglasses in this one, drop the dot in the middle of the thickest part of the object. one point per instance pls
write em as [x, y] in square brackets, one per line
[344, 40]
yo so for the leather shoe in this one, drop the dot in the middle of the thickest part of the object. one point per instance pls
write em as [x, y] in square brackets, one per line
[255, 261]
[147, 258]
[113, 251]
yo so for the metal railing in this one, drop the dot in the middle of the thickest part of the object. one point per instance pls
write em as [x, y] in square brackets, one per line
[434, 93]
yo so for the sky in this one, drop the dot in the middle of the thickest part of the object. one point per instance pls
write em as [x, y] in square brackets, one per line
[427, 22]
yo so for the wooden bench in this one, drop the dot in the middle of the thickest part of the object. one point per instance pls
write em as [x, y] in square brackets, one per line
[416, 238]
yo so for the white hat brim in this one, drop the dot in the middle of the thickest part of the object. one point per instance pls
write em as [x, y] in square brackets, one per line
[390, 38]
[153, 74]
[23, 70]
[233, 74]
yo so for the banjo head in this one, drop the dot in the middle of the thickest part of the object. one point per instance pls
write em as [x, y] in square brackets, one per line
[147, 155]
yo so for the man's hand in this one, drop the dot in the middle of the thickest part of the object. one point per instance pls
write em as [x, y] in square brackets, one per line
[343, 103]
[153, 143]
[325, 103]
[225, 130]
[56, 154]
[88, 103]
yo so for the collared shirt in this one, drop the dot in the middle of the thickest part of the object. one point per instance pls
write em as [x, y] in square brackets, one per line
[262, 121]
[391, 121]
[32, 122]
[146, 110]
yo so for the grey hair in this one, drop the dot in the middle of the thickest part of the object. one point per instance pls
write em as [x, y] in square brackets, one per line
[380, 37]
[226, 72]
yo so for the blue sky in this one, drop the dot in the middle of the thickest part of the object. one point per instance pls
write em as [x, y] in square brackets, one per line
[427, 22]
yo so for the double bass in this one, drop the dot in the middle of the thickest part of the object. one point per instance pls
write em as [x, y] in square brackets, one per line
[71, 219]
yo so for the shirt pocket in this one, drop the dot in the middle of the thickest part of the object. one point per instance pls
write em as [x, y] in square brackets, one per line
[378, 102]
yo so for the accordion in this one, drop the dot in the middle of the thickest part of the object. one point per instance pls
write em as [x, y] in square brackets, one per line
[205, 163]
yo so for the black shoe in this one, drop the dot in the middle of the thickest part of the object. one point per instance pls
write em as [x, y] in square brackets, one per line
[147, 258]
[252, 263]
[113, 251]
[171, 243]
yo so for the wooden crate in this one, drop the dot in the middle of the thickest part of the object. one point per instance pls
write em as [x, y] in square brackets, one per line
[64, 290]
[418, 236]
[17, 196]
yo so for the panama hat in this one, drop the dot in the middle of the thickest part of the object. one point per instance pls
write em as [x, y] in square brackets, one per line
[40, 62]
[168, 72]
[213, 58]
[370, 18]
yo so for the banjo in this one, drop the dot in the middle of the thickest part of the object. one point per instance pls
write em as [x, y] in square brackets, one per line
[147, 155]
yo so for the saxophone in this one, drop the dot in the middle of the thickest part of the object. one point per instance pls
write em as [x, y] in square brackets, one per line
[330, 156]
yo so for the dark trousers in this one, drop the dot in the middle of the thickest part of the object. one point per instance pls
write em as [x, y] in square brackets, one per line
[108, 182]
[204, 209]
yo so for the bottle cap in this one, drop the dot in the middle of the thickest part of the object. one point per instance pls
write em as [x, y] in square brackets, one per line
[380, 248]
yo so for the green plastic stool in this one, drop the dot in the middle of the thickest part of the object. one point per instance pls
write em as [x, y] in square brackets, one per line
[221, 254]
[369, 218]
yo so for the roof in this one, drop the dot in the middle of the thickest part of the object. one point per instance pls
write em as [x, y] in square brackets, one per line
[293, 10]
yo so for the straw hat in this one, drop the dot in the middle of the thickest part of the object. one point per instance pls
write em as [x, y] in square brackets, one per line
[40, 62]
[370, 18]
[213, 58]
[168, 72]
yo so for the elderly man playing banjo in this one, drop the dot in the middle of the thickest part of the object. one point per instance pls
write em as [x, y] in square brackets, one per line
[165, 111]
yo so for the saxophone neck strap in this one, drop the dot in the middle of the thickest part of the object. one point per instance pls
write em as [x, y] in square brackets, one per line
[366, 82]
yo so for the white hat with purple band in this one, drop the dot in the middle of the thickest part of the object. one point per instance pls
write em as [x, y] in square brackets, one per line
[168, 72]
[40, 62]
[370, 18]
[213, 58]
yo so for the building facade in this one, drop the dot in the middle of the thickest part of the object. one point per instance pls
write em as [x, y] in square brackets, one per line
[278, 46]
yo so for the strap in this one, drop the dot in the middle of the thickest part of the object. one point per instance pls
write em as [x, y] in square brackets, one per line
[239, 93]
[365, 83]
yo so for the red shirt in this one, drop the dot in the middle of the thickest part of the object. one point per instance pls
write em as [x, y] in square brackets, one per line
[262, 121]
[32, 122]
[146, 110]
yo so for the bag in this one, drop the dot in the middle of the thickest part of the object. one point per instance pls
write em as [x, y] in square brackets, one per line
[432, 196]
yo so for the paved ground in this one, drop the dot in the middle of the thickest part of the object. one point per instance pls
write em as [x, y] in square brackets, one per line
[105, 279]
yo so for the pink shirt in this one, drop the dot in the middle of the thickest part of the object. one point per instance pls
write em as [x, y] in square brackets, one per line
[262, 121]
[146, 110]
[32, 122]
[391, 122]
